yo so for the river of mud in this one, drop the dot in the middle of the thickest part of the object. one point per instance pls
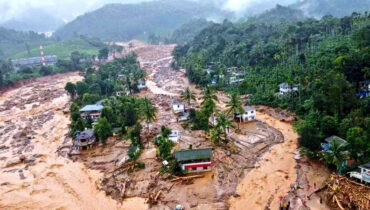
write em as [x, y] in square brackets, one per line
[33, 175]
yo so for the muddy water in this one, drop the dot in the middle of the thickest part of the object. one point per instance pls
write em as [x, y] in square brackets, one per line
[274, 172]
[32, 175]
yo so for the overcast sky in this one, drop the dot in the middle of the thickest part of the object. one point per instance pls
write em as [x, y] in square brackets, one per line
[69, 9]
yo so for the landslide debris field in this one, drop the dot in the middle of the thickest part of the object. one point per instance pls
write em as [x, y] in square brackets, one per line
[37, 172]
[32, 174]
[210, 192]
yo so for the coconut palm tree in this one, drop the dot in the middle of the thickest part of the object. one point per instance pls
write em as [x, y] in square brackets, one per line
[224, 123]
[336, 154]
[209, 95]
[235, 105]
[188, 95]
[149, 111]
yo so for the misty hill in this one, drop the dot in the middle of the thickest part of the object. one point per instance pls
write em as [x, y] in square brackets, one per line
[337, 8]
[279, 14]
[34, 20]
[136, 21]
[188, 31]
[12, 41]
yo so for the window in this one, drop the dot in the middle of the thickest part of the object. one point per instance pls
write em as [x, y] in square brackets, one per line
[194, 169]
[205, 167]
[251, 112]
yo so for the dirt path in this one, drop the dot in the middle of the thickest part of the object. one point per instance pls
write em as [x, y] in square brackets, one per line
[33, 175]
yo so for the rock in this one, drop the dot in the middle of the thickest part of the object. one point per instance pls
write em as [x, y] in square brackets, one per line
[236, 195]
[13, 162]
[31, 159]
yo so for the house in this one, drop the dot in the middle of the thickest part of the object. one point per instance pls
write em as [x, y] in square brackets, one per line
[362, 174]
[178, 106]
[85, 139]
[328, 140]
[285, 88]
[93, 110]
[122, 93]
[194, 160]
[184, 116]
[364, 89]
[248, 115]
[121, 77]
[174, 136]
[232, 69]
[141, 84]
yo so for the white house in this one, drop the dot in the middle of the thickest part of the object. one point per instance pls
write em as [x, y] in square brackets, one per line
[174, 136]
[248, 115]
[363, 173]
[178, 106]
[141, 85]
[285, 88]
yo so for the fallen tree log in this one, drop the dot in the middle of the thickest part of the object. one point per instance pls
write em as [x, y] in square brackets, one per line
[186, 178]
[338, 202]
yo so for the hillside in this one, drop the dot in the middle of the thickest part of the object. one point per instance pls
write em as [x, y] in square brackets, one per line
[12, 41]
[326, 61]
[337, 8]
[136, 21]
[64, 48]
[34, 20]
[279, 14]
[188, 31]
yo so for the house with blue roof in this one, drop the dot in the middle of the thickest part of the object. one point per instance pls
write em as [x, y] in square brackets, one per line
[92, 110]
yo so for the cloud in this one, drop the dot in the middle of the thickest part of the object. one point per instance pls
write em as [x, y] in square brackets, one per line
[70, 9]
[253, 6]
[62, 9]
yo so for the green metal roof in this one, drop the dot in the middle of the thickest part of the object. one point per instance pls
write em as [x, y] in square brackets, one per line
[194, 154]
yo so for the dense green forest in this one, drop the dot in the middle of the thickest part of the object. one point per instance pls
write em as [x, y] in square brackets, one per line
[327, 59]
[136, 21]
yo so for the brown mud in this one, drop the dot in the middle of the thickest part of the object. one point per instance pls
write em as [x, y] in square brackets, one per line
[250, 173]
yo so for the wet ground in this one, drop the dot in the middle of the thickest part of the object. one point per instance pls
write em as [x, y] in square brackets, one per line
[34, 130]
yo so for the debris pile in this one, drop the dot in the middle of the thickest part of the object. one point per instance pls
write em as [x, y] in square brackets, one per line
[347, 194]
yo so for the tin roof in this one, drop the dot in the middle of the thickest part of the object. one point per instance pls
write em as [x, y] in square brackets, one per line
[93, 107]
[87, 134]
[194, 154]
[367, 165]
[331, 138]
[249, 108]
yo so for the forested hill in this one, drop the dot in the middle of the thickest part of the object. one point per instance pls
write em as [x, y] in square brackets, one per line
[136, 21]
[12, 41]
[279, 14]
[337, 8]
[328, 59]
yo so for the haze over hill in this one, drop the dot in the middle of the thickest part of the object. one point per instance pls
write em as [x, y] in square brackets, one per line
[34, 20]
[130, 21]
